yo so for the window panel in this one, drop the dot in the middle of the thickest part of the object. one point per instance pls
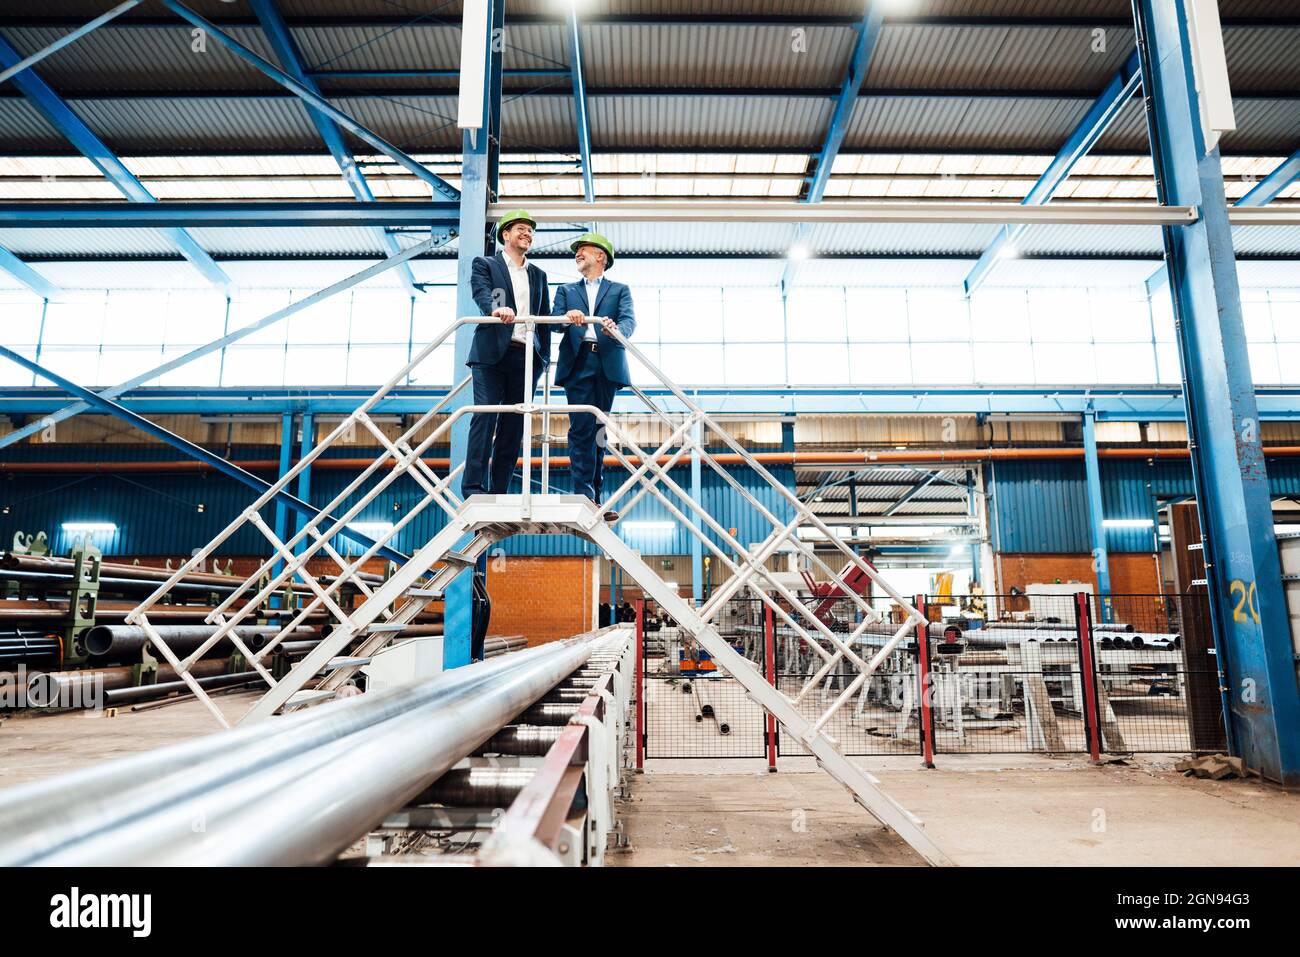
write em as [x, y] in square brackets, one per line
[11, 373]
[1000, 316]
[1126, 362]
[316, 365]
[80, 364]
[1119, 317]
[79, 322]
[134, 317]
[253, 365]
[253, 306]
[937, 316]
[942, 363]
[755, 364]
[1168, 364]
[692, 363]
[22, 321]
[375, 365]
[1264, 369]
[645, 306]
[880, 364]
[381, 317]
[1056, 316]
[1004, 362]
[436, 369]
[119, 363]
[324, 322]
[1288, 358]
[819, 364]
[194, 318]
[691, 315]
[751, 314]
[640, 374]
[432, 314]
[816, 315]
[1162, 315]
[1258, 320]
[1064, 363]
[1286, 316]
[202, 372]
[877, 315]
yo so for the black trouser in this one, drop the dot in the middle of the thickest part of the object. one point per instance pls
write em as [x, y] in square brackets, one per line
[495, 438]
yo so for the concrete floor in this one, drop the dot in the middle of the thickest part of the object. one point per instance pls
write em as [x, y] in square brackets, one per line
[982, 809]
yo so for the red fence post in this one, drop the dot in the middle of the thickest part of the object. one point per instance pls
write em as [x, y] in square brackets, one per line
[924, 685]
[769, 659]
[640, 684]
[1088, 670]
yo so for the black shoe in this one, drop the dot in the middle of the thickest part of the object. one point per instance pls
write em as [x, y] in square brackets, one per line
[611, 516]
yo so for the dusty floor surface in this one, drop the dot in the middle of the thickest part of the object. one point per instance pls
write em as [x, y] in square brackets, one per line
[981, 809]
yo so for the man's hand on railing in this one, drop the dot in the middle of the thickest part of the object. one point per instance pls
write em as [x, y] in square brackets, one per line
[609, 325]
[576, 317]
[504, 313]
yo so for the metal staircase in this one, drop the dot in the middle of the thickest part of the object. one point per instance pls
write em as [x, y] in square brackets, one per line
[476, 524]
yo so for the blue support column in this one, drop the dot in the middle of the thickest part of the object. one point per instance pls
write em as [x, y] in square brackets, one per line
[307, 442]
[286, 459]
[1084, 136]
[477, 189]
[290, 58]
[1096, 514]
[1251, 625]
[580, 106]
[972, 503]
[697, 493]
[57, 113]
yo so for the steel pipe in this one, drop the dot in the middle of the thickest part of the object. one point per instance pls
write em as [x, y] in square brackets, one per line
[297, 790]
[80, 688]
[123, 696]
[522, 740]
[127, 642]
[477, 787]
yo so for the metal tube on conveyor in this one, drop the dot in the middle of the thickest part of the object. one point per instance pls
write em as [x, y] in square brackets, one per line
[296, 790]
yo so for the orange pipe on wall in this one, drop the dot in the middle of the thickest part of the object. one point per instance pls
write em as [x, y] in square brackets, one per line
[844, 459]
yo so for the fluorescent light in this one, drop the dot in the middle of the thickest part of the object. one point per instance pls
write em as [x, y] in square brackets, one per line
[1127, 523]
[1009, 252]
[798, 251]
[957, 551]
[93, 528]
[650, 526]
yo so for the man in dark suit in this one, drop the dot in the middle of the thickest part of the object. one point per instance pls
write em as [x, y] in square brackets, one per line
[592, 364]
[507, 287]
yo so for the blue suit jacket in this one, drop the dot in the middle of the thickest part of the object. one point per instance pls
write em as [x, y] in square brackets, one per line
[491, 339]
[614, 300]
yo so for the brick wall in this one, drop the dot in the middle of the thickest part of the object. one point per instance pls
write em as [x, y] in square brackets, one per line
[1130, 574]
[541, 598]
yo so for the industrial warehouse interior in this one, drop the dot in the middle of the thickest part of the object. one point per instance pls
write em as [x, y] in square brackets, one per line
[908, 473]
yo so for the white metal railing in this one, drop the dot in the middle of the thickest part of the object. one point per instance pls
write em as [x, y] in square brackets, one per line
[648, 474]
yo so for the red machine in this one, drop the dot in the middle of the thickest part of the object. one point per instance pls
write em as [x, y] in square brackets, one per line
[826, 594]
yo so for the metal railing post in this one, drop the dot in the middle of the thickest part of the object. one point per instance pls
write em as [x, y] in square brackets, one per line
[1088, 674]
[640, 684]
[769, 657]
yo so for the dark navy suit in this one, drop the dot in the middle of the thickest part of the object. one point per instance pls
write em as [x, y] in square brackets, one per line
[592, 377]
[498, 372]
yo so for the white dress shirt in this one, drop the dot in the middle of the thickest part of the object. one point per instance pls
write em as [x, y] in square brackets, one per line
[523, 296]
[593, 289]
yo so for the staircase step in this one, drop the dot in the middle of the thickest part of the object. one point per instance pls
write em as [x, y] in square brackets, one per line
[336, 664]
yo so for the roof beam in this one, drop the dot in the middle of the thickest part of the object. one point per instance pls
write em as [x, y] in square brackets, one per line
[581, 119]
[912, 492]
[67, 38]
[291, 60]
[859, 62]
[1272, 186]
[57, 113]
[440, 186]
[1085, 135]
[28, 276]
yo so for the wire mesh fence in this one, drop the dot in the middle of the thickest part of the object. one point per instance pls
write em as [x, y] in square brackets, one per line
[1003, 674]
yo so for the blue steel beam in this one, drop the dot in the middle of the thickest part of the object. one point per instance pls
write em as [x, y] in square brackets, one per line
[189, 448]
[57, 113]
[1096, 513]
[67, 38]
[580, 117]
[1082, 139]
[1271, 186]
[479, 165]
[440, 186]
[113, 392]
[1248, 608]
[28, 276]
[912, 493]
[291, 60]
[864, 48]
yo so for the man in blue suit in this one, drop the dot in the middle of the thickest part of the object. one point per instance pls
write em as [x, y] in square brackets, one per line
[592, 365]
[508, 287]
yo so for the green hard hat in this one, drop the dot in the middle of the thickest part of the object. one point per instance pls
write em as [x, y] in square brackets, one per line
[515, 216]
[597, 240]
